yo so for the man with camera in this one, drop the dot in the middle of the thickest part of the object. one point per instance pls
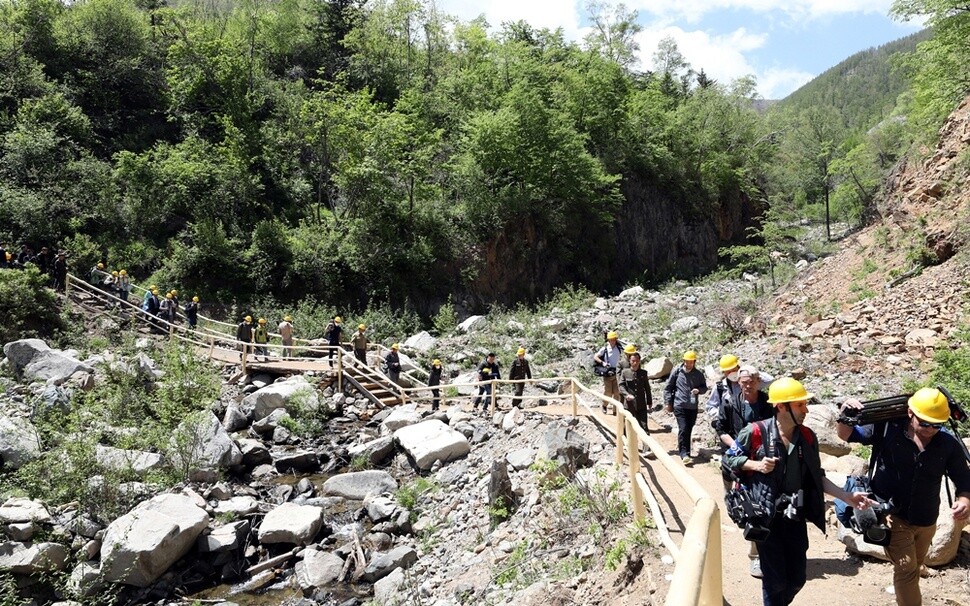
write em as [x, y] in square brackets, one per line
[778, 459]
[909, 457]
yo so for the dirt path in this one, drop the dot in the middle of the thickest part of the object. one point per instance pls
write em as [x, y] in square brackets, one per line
[835, 577]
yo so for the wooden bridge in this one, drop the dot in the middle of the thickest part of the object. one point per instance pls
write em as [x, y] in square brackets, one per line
[217, 341]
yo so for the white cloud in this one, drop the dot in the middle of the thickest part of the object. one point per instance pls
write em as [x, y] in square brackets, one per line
[694, 10]
[551, 14]
[778, 83]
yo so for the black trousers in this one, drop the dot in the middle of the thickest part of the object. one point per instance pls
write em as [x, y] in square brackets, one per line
[519, 388]
[436, 398]
[685, 426]
[783, 560]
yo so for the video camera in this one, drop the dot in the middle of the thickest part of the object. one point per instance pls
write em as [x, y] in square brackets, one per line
[790, 504]
[871, 522]
[749, 513]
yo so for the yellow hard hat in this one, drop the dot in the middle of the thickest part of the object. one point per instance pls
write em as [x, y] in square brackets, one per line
[629, 349]
[152, 288]
[361, 327]
[690, 355]
[787, 389]
[396, 346]
[262, 320]
[611, 335]
[337, 320]
[287, 318]
[436, 362]
[114, 273]
[168, 296]
[520, 352]
[248, 318]
[728, 361]
[195, 299]
[930, 405]
[10, 256]
[123, 272]
[175, 292]
[154, 291]
[100, 265]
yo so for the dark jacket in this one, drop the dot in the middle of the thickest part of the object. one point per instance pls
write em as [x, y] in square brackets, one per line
[519, 369]
[493, 370]
[909, 477]
[636, 383]
[192, 311]
[334, 334]
[679, 385]
[734, 414]
[434, 377]
[393, 361]
[805, 454]
[244, 332]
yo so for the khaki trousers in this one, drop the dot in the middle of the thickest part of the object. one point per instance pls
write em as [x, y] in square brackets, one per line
[907, 550]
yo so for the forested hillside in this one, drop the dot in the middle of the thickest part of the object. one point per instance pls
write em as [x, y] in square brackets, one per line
[321, 148]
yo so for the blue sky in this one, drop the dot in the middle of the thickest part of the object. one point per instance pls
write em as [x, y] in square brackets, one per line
[784, 44]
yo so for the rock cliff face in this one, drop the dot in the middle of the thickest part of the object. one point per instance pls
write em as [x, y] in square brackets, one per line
[652, 236]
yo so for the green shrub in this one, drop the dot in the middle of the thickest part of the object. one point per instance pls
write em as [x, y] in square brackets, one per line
[29, 309]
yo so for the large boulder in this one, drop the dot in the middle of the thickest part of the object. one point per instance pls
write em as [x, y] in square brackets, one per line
[359, 484]
[376, 451]
[431, 441]
[291, 523]
[658, 368]
[229, 537]
[568, 448]
[384, 564]
[33, 559]
[127, 460]
[21, 352]
[54, 366]
[422, 342]
[292, 394]
[821, 419]
[471, 323]
[202, 446]
[19, 441]
[18, 509]
[142, 544]
[318, 569]
[401, 416]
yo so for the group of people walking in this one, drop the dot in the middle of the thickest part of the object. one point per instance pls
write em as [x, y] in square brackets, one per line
[768, 449]
[53, 266]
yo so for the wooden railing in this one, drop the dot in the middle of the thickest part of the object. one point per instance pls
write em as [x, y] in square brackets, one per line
[697, 577]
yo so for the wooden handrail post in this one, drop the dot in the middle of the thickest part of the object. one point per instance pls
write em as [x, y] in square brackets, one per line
[212, 346]
[245, 350]
[340, 369]
[67, 287]
[572, 389]
[633, 453]
[712, 581]
[619, 439]
[171, 330]
[494, 396]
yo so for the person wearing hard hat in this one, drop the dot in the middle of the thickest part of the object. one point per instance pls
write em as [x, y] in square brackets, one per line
[175, 306]
[488, 370]
[244, 333]
[628, 350]
[192, 312]
[518, 371]
[909, 457]
[333, 333]
[606, 361]
[359, 342]
[166, 310]
[124, 285]
[681, 394]
[59, 271]
[726, 390]
[750, 405]
[285, 329]
[98, 274]
[779, 457]
[261, 337]
[392, 361]
[635, 391]
[145, 302]
[434, 380]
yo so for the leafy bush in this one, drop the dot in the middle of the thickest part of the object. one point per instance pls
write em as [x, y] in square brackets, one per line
[29, 309]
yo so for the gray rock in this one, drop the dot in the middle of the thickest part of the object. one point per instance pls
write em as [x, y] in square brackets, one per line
[377, 451]
[384, 564]
[684, 324]
[238, 506]
[202, 446]
[22, 531]
[431, 441]
[20, 353]
[19, 441]
[261, 380]
[268, 424]
[292, 394]
[553, 325]
[357, 485]
[224, 538]
[136, 461]
[141, 545]
[380, 508]
[631, 293]
[34, 559]
[521, 459]
[422, 342]
[821, 419]
[19, 509]
[472, 323]
[52, 365]
[512, 419]
[387, 591]
[658, 368]
[401, 416]
[235, 418]
[85, 580]
[291, 523]
[318, 569]
[295, 459]
[254, 452]
[567, 447]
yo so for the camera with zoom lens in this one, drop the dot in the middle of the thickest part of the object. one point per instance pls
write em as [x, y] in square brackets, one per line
[871, 524]
[751, 516]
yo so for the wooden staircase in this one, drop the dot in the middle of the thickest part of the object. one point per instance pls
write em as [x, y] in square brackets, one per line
[372, 383]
